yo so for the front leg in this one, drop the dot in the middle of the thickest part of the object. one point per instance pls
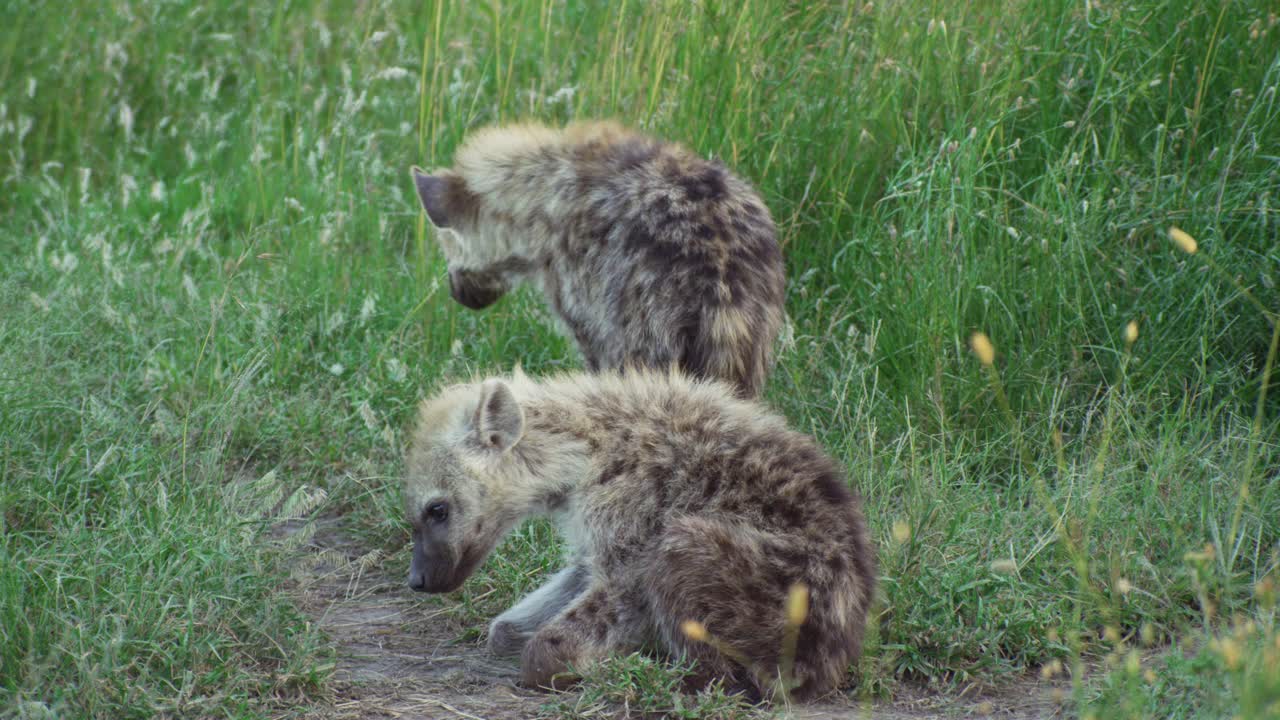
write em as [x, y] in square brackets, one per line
[509, 632]
[597, 623]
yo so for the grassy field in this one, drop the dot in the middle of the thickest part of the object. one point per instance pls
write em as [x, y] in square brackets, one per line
[219, 305]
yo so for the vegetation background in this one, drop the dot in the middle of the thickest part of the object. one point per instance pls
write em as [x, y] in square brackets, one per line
[219, 305]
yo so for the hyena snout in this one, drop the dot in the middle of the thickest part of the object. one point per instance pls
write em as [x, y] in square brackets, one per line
[433, 569]
[418, 581]
[419, 575]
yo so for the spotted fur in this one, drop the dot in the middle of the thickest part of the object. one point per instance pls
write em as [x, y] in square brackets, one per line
[677, 501]
[648, 254]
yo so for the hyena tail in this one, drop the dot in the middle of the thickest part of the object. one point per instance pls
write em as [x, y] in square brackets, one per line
[727, 346]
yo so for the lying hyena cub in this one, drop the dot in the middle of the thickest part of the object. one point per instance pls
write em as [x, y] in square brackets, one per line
[649, 254]
[677, 502]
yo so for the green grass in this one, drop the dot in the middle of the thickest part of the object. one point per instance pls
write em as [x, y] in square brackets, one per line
[648, 688]
[214, 268]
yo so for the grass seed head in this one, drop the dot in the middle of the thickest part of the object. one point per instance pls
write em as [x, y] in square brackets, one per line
[1230, 652]
[1202, 556]
[694, 630]
[983, 348]
[1183, 240]
[901, 532]
[797, 604]
[1265, 591]
[1004, 567]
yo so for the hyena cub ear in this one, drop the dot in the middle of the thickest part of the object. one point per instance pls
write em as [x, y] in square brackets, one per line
[444, 196]
[499, 419]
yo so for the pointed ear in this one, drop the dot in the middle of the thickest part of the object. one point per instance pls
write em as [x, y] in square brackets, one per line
[434, 193]
[499, 419]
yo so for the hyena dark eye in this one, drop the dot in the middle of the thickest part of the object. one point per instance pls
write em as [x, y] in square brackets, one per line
[436, 512]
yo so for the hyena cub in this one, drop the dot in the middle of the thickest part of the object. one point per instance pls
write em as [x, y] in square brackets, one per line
[648, 254]
[677, 502]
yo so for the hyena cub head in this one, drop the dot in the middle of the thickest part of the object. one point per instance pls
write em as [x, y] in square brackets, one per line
[454, 210]
[460, 475]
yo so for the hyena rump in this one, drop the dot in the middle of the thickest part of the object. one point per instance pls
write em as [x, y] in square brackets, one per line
[677, 501]
[647, 253]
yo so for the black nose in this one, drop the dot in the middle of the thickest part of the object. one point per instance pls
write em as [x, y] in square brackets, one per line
[418, 581]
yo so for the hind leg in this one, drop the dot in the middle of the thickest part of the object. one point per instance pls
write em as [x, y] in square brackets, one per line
[598, 622]
[734, 580]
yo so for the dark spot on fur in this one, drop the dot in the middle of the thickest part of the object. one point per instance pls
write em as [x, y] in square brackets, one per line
[662, 208]
[664, 253]
[660, 489]
[833, 489]
[556, 501]
[632, 155]
[787, 562]
[613, 470]
[783, 513]
[756, 248]
[710, 485]
[695, 355]
[815, 642]
[736, 276]
[705, 185]
[706, 274]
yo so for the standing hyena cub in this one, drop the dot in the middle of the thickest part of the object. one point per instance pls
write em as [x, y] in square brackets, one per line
[649, 254]
[677, 502]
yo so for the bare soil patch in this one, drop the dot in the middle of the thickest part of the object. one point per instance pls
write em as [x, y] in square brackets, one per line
[399, 655]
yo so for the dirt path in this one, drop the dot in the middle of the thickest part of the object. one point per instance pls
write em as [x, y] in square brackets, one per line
[400, 657]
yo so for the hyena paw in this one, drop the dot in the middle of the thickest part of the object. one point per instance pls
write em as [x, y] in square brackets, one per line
[546, 660]
[507, 639]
